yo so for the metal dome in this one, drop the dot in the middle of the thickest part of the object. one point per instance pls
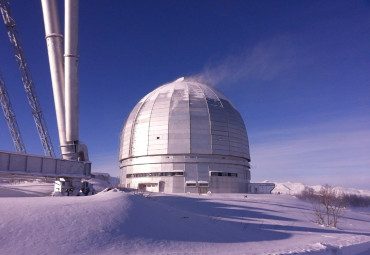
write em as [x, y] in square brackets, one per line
[185, 136]
[184, 117]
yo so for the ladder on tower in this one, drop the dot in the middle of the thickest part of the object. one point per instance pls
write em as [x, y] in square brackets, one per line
[10, 118]
[28, 85]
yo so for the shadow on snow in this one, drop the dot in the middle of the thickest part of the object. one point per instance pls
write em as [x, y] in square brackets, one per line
[189, 219]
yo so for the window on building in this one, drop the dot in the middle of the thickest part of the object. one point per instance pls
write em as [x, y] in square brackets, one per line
[191, 184]
[203, 184]
[226, 174]
[153, 174]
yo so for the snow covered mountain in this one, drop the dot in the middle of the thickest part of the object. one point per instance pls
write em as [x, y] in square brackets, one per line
[294, 188]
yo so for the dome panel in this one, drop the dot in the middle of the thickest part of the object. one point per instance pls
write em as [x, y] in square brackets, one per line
[179, 122]
[158, 131]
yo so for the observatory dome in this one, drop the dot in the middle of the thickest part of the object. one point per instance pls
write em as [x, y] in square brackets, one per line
[185, 136]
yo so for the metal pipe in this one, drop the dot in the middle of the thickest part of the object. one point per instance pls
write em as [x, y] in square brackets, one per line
[54, 41]
[71, 59]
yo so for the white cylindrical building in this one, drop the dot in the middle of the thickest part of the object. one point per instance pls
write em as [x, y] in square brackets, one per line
[185, 136]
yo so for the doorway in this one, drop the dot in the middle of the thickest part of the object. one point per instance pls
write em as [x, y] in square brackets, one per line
[161, 186]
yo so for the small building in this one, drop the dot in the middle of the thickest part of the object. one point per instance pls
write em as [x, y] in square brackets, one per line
[261, 188]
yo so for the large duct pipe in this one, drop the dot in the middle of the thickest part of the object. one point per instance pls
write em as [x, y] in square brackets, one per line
[54, 41]
[71, 72]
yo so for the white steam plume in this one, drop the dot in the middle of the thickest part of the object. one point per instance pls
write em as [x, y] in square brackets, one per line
[264, 61]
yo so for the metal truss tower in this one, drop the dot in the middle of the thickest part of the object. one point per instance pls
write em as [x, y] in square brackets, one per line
[26, 78]
[10, 118]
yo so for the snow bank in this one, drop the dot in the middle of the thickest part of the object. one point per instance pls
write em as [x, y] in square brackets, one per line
[100, 184]
[122, 223]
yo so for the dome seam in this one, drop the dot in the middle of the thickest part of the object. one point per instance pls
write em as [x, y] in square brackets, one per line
[168, 121]
[150, 118]
[187, 85]
[134, 121]
[209, 116]
[217, 98]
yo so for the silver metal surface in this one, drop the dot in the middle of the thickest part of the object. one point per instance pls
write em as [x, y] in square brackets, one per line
[71, 59]
[184, 117]
[54, 41]
[190, 127]
[65, 81]
[33, 165]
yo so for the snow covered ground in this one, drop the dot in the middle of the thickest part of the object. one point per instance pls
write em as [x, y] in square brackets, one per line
[26, 189]
[115, 222]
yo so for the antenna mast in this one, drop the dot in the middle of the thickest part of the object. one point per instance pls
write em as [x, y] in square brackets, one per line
[10, 118]
[26, 78]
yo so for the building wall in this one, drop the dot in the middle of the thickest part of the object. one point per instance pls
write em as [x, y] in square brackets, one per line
[261, 188]
[218, 175]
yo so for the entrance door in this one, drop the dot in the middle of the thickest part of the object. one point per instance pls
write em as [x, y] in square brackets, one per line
[203, 190]
[142, 187]
[161, 186]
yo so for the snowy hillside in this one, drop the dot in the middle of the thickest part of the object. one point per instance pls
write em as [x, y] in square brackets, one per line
[293, 188]
[115, 222]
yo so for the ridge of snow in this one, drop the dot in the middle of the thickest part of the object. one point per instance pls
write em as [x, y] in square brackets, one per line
[294, 188]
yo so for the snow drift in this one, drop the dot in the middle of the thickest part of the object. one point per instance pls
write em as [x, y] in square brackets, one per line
[115, 222]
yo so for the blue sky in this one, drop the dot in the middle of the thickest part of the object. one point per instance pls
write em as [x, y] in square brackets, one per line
[298, 72]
